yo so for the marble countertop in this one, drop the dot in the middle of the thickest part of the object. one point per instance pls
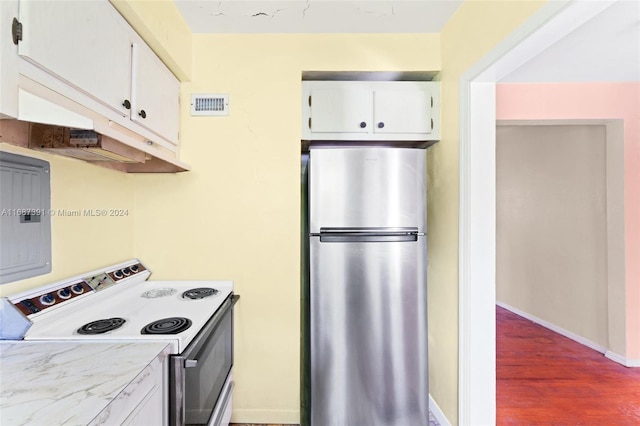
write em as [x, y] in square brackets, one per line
[65, 382]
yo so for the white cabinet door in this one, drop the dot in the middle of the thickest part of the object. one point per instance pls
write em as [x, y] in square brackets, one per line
[155, 94]
[340, 110]
[402, 111]
[143, 401]
[150, 411]
[370, 111]
[82, 42]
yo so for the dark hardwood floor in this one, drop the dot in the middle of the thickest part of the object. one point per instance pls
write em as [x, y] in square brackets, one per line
[544, 378]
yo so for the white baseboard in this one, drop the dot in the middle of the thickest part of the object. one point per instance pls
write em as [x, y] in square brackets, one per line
[437, 412]
[566, 333]
[622, 360]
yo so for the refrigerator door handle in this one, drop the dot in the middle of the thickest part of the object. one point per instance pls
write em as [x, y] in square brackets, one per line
[367, 235]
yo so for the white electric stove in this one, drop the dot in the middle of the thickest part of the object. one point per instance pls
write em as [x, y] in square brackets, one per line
[119, 303]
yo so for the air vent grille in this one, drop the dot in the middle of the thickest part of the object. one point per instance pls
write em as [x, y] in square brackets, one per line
[210, 104]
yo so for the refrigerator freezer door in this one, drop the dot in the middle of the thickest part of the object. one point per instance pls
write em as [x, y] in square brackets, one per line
[368, 333]
[367, 187]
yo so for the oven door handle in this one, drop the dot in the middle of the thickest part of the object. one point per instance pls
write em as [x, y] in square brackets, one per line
[176, 393]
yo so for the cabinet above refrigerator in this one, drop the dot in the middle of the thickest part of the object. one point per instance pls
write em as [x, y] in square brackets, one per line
[382, 111]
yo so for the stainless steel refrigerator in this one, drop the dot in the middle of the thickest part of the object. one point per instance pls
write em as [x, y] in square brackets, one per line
[368, 295]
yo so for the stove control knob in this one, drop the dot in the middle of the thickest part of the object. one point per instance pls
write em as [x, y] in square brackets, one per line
[126, 272]
[134, 269]
[77, 289]
[31, 307]
[118, 275]
[64, 293]
[47, 299]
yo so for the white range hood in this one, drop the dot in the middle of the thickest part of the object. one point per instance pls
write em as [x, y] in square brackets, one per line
[32, 108]
[116, 146]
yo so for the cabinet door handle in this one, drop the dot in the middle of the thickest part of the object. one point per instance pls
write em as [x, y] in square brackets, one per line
[432, 124]
[309, 122]
[126, 104]
[16, 31]
[363, 124]
[380, 125]
[142, 113]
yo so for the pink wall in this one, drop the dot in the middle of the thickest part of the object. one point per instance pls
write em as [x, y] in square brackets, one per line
[553, 101]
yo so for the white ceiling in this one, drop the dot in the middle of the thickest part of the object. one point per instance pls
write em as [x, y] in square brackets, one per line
[317, 16]
[605, 48]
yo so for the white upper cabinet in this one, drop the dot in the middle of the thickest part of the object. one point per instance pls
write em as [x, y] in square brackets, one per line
[370, 110]
[340, 110]
[403, 111]
[82, 42]
[155, 94]
[86, 52]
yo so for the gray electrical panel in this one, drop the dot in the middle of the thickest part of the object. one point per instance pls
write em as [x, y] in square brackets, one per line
[25, 219]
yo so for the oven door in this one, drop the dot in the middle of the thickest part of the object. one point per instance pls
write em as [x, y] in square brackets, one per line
[200, 373]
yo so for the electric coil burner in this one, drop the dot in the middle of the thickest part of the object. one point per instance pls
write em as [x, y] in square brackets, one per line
[199, 293]
[173, 325]
[101, 326]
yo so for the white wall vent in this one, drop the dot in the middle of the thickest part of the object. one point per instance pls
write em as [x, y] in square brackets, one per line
[210, 104]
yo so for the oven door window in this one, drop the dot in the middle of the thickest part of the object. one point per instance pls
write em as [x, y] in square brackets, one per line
[204, 381]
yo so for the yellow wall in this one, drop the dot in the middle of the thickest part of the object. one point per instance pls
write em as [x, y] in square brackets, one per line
[81, 244]
[476, 28]
[236, 214]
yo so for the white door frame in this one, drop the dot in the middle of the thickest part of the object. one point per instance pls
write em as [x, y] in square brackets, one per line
[477, 216]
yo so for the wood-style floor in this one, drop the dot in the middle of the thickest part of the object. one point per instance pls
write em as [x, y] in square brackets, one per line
[544, 378]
